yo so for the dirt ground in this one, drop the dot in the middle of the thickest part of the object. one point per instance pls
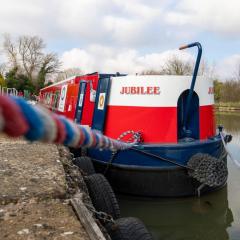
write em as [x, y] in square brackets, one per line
[34, 193]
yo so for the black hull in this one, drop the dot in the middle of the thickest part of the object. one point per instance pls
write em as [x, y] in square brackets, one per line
[151, 182]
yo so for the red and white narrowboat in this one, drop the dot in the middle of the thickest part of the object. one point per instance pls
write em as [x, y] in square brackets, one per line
[170, 117]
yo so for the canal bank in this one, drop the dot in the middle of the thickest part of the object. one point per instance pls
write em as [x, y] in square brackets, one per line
[36, 189]
[227, 107]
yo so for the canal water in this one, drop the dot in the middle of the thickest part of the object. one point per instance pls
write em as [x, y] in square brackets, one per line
[215, 216]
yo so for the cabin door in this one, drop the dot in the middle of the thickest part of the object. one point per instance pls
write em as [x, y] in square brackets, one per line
[101, 104]
[80, 101]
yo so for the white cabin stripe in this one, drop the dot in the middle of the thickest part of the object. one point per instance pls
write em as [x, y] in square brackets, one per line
[72, 79]
[171, 88]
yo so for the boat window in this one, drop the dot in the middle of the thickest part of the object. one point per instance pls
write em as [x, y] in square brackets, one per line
[49, 98]
[45, 98]
[56, 99]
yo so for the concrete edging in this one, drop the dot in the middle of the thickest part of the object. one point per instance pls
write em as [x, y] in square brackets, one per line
[86, 218]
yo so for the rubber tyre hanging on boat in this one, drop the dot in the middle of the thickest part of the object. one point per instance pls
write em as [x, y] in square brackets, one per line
[102, 195]
[76, 152]
[85, 164]
[128, 229]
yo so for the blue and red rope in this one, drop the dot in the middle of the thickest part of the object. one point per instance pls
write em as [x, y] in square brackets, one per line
[35, 123]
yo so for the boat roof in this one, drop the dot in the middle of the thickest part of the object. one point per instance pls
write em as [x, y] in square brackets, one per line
[60, 82]
[89, 74]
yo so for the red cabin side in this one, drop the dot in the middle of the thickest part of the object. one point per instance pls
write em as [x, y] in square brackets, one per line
[62, 97]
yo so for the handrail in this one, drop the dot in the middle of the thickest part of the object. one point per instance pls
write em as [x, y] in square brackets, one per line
[195, 72]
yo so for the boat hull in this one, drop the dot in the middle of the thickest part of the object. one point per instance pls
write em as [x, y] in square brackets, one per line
[152, 177]
[151, 182]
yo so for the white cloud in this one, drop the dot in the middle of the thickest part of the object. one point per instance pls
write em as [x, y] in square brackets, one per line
[124, 30]
[119, 23]
[81, 18]
[218, 16]
[116, 22]
[127, 28]
[108, 59]
[26, 17]
[138, 9]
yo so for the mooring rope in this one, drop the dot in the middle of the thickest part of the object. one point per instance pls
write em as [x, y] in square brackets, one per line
[227, 150]
[36, 123]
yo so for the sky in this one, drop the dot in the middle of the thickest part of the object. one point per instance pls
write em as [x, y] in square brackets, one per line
[129, 36]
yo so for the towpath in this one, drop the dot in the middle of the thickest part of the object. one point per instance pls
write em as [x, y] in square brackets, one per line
[34, 193]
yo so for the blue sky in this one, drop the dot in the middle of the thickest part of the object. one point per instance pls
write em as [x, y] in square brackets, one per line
[129, 35]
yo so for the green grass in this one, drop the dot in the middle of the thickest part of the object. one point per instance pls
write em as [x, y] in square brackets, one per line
[228, 104]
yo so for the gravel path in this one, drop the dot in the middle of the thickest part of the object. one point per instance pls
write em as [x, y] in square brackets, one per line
[34, 193]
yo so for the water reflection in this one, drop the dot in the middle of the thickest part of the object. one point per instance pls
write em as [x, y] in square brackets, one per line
[215, 216]
[183, 218]
[231, 123]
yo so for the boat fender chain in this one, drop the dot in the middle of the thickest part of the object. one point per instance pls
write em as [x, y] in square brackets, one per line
[208, 170]
[106, 218]
[135, 138]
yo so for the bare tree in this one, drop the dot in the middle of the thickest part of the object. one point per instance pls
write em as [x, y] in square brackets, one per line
[30, 50]
[3, 69]
[153, 72]
[26, 54]
[10, 49]
[237, 71]
[173, 66]
[49, 64]
[176, 66]
[67, 73]
[203, 68]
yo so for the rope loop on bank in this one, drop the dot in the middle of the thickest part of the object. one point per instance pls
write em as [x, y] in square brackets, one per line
[36, 123]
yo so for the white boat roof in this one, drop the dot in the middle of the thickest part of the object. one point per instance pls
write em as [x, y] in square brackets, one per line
[60, 82]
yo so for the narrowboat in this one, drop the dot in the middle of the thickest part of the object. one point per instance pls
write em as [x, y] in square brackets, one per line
[170, 119]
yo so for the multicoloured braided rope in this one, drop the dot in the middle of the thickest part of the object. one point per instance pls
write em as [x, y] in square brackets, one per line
[35, 123]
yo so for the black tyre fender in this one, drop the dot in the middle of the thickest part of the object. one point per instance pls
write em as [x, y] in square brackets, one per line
[75, 151]
[102, 195]
[85, 164]
[129, 228]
